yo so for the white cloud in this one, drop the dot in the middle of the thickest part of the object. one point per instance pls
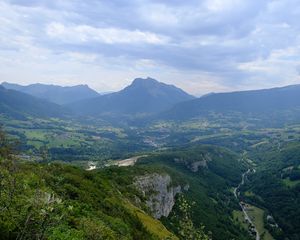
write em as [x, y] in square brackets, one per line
[279, 68]
[85, 33]
[201, 46]
[222, 5]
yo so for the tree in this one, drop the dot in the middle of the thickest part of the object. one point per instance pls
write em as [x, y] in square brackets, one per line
[186, 229]
[6, 146]
[44, 153]
[28, 208]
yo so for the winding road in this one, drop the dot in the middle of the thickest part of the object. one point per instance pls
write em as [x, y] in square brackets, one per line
[237, 194]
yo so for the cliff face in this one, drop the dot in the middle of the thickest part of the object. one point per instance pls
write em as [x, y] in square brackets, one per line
[194, 166]
[159, 192]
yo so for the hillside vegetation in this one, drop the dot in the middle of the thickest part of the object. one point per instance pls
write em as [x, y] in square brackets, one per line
[55, 201]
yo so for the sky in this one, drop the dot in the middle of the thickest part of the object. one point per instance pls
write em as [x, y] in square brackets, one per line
[200, 46]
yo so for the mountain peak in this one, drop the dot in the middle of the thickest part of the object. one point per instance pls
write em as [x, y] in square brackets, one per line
[144, 81]
[143, 96]
[81, 86]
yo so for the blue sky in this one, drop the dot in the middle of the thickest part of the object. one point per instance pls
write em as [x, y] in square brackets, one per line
[200, 46]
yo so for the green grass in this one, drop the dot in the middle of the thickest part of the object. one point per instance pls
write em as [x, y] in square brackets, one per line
[37, 144]
[35, 134]
[238, 216]
[152, 225]
[249, 194]
[155, 227]
[290, 183]
[257, 216]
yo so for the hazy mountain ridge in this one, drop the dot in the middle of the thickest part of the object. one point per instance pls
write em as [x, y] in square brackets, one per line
[154, 100]
[53, 93]
[246, 102]
[143, 96]
[19, 105]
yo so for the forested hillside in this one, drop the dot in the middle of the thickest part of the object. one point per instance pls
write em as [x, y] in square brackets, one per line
[58, 201]
[150, 120]
[276, 187]
[275, 107]
[18, 105]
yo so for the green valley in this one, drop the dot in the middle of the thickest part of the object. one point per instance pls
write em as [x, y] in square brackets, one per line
[149, 177]
[150, 120]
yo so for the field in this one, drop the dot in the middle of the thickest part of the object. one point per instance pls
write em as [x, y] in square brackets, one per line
[257, 216]
[290, 183]
[72, 141]
[238, 216]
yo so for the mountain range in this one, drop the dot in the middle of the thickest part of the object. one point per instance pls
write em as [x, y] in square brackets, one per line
[244, 102]
[143, 97]
[20, 105]
[53, 93]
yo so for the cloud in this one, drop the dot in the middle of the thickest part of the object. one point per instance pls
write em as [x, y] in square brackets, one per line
[85, 33]
[202, 46]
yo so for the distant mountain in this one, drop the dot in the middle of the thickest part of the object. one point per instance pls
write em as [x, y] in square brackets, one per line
[246, 102]
[143, 96]
[53, 93]
[21, 105]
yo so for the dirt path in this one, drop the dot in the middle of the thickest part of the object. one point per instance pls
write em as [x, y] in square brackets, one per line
[129, 161]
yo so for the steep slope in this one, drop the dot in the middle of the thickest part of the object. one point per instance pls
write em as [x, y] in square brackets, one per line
[151, 200]
[137, 202]
[245, 102]
[64, 202]
[209, 175]
[143, 96]
[20, 105]
[53, 93]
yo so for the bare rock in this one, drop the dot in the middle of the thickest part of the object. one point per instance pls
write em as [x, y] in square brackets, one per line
[160, 193]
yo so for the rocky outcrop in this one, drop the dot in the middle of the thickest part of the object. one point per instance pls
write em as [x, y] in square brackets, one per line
[159, 192]
[194, 166]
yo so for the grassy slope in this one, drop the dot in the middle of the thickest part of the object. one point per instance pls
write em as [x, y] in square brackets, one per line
[89, 201]
[101, 199]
